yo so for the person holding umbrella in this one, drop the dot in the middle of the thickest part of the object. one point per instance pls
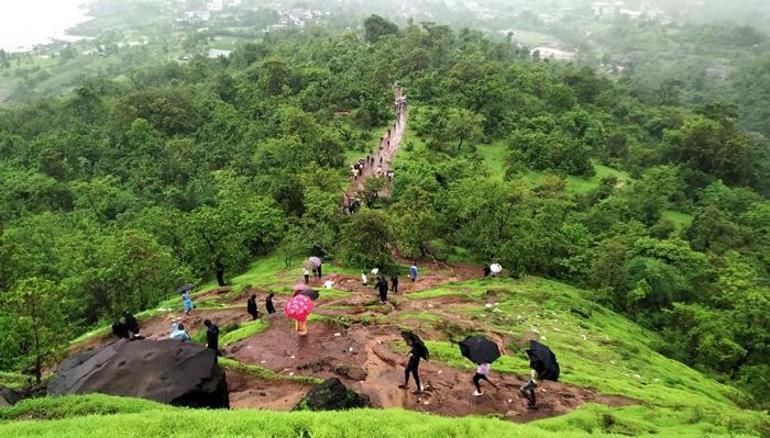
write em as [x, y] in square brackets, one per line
[481, 374]
[482, 352]
[298, 308]
[543, 365]
[417, 351]
[187, 303]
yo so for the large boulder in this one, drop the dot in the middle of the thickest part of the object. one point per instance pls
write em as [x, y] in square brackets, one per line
[8, 397]
[167, 371]
[332, 395]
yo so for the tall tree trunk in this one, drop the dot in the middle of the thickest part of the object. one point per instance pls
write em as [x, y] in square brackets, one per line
[38, 353]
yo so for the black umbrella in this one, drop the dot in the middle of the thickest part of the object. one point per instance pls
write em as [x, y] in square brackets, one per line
[542, 360]
[185, 288]
[310, 293]
[410, 336]
[479, 349]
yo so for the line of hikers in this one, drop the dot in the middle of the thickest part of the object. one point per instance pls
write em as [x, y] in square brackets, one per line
[419, 351]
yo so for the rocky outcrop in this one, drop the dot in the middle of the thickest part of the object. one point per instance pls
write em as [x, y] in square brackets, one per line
[332, 395]
[167, 371]
[8, 397]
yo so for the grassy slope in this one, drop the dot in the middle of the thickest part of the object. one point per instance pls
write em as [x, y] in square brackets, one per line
[596, 348]
[98, 415]
[604, 351]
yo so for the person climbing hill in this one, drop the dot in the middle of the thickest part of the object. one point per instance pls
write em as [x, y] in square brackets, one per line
[417, 351]
[187, 303]
[482, 373]
[269, 307]
[413, 272]
[212, 336]
[251, 307]
[382, 288]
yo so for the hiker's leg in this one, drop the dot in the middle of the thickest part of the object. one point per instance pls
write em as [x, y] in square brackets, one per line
[476, 380]
[415, 373]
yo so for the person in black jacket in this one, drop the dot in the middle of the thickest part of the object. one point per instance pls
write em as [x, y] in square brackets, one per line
[417, 351]
[251, 307]
[131, 323]
[382, 287]
[212, 336]
[394, 283]
[269, 307]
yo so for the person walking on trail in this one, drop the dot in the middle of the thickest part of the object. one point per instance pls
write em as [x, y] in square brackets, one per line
[178, 332]
[413, 272]
[269, 307]
[382, 288]
[394, 283]
[212, 336]
[132, 325]
[529, 389]
[251, 307]
[187, 303]
[481, 374]
[364, 280]
[417, 351]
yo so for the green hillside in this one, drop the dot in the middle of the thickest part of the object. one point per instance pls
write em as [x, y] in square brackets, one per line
[633, 228]
[596, 347]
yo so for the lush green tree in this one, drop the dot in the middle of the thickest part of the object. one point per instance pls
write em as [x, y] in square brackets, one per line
[36, 305]
[375, 27]
[366, 241]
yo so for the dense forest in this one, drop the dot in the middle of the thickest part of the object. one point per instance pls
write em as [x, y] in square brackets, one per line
[114, 195]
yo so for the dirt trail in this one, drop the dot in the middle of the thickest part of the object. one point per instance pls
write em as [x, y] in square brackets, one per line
[382, 160]
[362, 357]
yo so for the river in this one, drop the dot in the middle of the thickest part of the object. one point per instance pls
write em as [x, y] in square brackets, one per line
[26, 23]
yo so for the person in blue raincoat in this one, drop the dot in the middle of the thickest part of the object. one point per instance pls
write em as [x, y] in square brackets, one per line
[413, 272]
[187, 302]
[178, 332]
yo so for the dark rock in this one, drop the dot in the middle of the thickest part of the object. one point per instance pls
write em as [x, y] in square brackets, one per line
[8, 397]
[332, 395]
[167, 371]
[352, 372]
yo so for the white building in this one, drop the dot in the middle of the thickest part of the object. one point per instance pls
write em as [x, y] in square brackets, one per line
[554, 53]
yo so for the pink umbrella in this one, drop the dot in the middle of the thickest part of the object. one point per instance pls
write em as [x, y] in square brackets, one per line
[299, 308]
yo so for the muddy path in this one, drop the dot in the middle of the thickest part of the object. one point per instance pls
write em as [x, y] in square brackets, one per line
[381, 161]
[251, 392]
[365, 360]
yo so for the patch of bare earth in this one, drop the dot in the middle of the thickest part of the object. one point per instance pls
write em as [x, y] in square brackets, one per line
[361, 357]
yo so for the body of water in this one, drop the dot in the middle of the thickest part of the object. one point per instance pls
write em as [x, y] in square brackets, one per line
[26, 23]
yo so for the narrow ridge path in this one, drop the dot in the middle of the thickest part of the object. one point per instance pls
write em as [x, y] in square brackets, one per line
[381, 162]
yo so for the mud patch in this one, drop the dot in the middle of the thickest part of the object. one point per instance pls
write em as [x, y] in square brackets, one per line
[251, 392]
[362, 359]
